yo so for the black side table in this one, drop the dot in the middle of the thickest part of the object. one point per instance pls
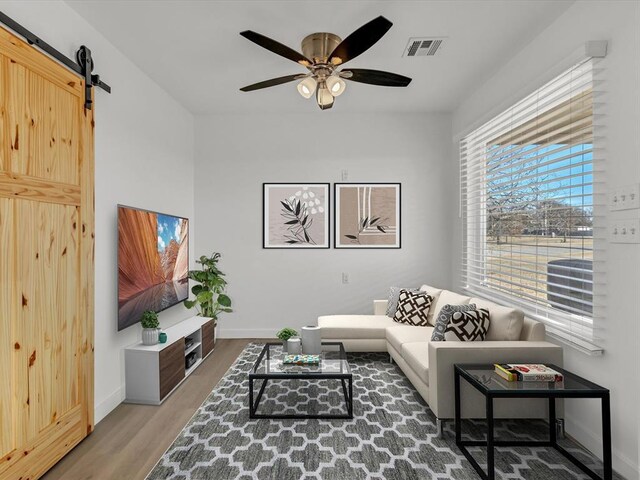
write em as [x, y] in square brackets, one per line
[483, 378]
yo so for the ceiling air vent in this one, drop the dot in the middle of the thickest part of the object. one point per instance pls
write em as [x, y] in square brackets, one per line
[423, 47]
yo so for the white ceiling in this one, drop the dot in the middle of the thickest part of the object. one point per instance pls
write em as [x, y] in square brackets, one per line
[193, 49]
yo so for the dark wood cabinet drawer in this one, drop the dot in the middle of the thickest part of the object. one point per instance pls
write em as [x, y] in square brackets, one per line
[171, 367]
[208, 337]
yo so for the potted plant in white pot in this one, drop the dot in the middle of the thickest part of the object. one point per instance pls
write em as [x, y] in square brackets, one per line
[150, 327]
[285, 335]
[210, 297]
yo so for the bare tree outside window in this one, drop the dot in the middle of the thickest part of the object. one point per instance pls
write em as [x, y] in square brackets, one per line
[527, 198]
[539, 211]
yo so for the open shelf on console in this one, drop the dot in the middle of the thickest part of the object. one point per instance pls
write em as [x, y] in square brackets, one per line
[192, 348]
[191, 369]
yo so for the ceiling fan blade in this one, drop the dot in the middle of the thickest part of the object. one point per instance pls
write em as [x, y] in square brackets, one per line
[276, 47]
[375, 77]
[272, 82]
[360, 41]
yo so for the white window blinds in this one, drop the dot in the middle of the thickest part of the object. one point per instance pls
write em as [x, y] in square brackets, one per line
[529, 185]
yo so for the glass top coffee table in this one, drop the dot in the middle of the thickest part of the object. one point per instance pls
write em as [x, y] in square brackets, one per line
[333, 369]
[492, 386]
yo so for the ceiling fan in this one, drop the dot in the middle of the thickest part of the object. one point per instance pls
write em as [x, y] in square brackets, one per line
[323, 53]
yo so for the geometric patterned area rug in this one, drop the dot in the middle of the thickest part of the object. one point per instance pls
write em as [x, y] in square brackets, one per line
[392, 436]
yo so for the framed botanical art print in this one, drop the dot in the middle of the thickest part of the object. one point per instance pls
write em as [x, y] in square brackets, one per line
[295, 215]
[367, 215]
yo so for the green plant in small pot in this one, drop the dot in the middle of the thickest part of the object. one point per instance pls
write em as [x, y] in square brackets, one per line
[285, 334]
[150, 327]
[210, 297]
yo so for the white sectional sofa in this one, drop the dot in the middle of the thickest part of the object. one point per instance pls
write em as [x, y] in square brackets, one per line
[511, 338]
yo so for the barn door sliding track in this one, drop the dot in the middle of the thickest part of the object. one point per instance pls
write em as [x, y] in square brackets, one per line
[83, 65]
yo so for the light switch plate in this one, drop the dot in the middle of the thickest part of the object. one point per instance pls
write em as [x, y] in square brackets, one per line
[625, 231]
[625, 198]
[633, 193]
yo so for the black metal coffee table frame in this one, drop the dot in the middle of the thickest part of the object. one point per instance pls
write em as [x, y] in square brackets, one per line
[346, 379]
[591, 390]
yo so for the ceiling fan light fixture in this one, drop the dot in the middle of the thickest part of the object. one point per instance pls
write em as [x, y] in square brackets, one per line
[336, 85]
[322, 54]
[307, 87]
[324, 97]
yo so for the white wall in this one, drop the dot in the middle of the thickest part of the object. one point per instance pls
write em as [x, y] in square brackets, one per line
[270, 289]
[618, 22]
[144, 157]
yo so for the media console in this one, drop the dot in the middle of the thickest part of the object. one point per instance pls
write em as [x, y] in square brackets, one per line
[153, 372]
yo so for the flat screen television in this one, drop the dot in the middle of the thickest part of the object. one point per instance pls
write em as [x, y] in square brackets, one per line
[153, 262]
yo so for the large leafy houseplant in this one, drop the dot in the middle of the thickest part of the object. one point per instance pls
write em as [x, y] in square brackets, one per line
[210, 297]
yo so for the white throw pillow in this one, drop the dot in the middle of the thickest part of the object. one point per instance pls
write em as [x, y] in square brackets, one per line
[506, 322]
[448, 297]
[433, 293]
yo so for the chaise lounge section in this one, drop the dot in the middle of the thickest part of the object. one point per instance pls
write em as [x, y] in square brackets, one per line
[511, 338]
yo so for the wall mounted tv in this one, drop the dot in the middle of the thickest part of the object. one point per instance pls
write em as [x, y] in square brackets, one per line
[153, 262]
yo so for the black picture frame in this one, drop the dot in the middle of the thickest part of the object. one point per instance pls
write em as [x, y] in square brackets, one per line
[327, 212]
[336, 230]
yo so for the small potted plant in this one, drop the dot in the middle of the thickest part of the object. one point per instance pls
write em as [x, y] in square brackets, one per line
[150, 327]
[285, 334]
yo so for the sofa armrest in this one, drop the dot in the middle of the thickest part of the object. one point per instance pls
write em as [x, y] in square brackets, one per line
[380, 307]
[443, 355]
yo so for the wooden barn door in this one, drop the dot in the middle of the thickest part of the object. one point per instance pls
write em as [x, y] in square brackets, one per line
[46, 261]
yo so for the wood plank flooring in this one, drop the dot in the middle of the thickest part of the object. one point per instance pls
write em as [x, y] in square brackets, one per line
[131, 439]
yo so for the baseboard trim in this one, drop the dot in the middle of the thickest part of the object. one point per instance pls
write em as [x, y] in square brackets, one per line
[622, 465]
[247, 333]
[106, 406]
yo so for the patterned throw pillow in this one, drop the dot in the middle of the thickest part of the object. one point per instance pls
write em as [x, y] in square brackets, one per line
[392, 302]
[444, 317]
[413, 308]
[468, 326]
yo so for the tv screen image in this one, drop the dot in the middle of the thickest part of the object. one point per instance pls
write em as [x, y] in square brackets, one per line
[153, 262]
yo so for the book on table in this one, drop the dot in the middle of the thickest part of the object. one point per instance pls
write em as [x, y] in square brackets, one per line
[301, 359]
[527, 372]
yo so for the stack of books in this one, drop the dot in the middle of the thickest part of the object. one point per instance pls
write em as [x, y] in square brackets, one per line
[301, 359]
[527, 372]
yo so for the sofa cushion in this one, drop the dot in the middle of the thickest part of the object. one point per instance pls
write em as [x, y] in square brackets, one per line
[434, 293]
[416, 354]
[444, 317]
[533, 331]
[448, 297]
[398, 335]
[506, 322]
[392, 300]
[413, 308]
[354, 326]
[468, 326]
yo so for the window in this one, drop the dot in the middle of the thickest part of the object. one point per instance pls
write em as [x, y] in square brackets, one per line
[527, 185]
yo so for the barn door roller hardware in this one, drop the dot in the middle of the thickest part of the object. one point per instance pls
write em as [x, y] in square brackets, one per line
[83, 67]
